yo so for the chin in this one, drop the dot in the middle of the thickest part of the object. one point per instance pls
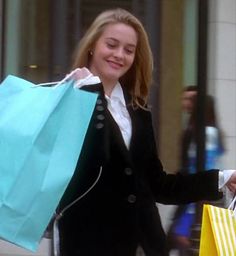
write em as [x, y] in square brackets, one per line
[113, 77]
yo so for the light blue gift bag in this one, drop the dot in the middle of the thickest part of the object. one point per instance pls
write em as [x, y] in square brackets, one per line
[42, 130]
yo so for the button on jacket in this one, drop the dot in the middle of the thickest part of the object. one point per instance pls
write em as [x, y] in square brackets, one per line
[119, 213]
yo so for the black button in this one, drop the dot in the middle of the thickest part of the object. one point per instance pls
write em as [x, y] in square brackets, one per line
[99, 108]
[99, 125]
[99, 101]
[128, 171]
[100, 117]
[131, 198]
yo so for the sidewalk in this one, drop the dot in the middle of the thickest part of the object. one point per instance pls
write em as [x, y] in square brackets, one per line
[8, 249]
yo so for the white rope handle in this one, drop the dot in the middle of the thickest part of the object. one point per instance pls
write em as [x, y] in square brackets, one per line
[57, 83]
[56, 236]
[67, 77]
[80, 75]
[232, 206]
[43, 84]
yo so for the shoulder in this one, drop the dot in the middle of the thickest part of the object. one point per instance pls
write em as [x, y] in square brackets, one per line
[212, 138]
[212, 133]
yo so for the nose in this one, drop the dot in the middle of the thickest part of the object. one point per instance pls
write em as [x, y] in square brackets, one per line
[119, 53]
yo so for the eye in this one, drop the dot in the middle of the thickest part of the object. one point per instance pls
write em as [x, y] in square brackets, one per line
[111, 45]
[129, 50]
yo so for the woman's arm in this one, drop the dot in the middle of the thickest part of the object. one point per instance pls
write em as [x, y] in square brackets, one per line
[178, 188]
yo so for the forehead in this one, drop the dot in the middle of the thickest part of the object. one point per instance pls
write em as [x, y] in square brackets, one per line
[189, 94]
[120, 32]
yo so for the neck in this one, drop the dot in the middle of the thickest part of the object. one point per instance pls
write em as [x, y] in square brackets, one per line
[108, 86]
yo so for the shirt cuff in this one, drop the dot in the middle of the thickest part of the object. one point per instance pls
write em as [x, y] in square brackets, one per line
[224, 176]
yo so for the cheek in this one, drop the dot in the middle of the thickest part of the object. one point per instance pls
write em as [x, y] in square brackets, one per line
[97, 59]
[130, 61]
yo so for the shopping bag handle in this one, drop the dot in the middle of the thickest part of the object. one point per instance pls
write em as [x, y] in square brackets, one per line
[45, 84]
[65, 79]
[58, 216]
[232, 205]
[80, 75]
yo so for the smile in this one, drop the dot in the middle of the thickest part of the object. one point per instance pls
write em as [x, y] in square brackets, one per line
[115, 65]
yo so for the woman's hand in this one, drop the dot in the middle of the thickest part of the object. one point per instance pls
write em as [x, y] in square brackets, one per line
[80, 73]
[231, 184]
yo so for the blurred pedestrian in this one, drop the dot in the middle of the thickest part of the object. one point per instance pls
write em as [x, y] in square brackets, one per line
[180, 231]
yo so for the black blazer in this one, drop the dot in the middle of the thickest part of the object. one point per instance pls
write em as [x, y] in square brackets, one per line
[120, 212]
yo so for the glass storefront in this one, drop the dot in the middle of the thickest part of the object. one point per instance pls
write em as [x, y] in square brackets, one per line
[40, 36]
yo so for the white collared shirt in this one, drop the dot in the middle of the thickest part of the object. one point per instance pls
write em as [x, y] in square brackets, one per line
[117, 107]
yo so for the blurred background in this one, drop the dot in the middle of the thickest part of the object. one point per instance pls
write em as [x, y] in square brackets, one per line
[193, 43]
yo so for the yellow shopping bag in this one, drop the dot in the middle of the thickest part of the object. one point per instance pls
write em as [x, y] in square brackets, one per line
[218, 234]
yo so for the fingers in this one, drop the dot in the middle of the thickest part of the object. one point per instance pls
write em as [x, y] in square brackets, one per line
[232, 187]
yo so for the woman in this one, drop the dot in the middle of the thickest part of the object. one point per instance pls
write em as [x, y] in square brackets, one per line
[184, 217]
[214, 142]
[119, 173]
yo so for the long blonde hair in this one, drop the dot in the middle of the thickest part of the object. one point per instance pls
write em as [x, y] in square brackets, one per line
[139, 77]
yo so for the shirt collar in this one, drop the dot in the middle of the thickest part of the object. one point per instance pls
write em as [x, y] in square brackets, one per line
[117, 93]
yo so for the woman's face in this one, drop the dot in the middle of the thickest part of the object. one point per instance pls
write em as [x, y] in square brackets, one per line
[188, 99]
[114, 53]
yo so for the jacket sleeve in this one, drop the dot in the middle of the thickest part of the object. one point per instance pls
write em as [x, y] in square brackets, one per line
[178, 188]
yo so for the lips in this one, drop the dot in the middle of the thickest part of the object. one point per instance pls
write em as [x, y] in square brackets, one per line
[114, 64]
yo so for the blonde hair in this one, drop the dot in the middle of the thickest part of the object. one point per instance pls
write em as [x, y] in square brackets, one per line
[139, 77]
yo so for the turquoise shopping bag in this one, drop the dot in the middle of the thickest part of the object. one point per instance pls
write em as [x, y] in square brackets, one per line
[42, 130]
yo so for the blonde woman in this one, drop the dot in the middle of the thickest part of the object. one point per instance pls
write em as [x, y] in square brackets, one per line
[109, 207]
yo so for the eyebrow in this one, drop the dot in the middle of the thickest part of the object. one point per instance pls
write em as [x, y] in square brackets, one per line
[116, 40]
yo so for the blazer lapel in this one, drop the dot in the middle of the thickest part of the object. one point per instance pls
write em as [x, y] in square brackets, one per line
[137, 125]
[116, 133]
[116, 136]
[132, 114]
